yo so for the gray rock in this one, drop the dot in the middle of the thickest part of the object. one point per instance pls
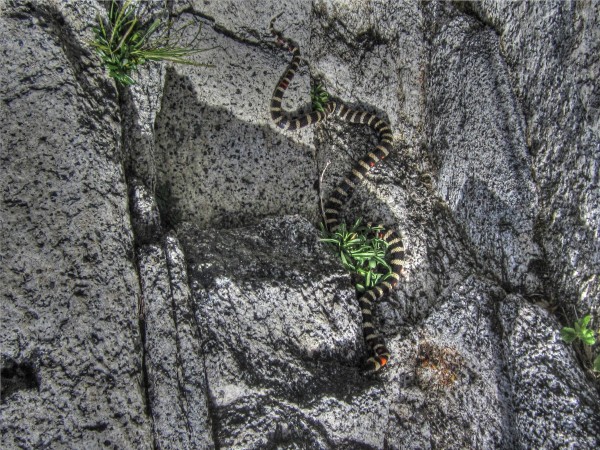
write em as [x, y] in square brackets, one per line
[218, 155]
[175, 370]
[163, 284]
[145, 213]
[483, 168]
[70, 338]
[554, 405]
[281, 337]
[452, 387]
[552, 52]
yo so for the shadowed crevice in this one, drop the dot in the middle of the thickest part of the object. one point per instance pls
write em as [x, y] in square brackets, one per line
[16, 376]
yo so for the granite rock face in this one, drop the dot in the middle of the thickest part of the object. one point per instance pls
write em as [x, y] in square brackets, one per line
[482, 164]
[71, 349]
[163, 284]
[552, 52]
[535, 357]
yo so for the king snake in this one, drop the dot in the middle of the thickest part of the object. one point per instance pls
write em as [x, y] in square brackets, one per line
[341, 194]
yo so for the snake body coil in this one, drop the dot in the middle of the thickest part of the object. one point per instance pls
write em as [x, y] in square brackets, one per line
[344, 190]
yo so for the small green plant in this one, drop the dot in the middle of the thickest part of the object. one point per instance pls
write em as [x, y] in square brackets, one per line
[319, 97]
[361, 251]
[581, 332]
[124, 41]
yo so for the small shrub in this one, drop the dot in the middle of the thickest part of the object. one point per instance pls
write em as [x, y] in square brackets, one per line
[124, 41]
[361, 252]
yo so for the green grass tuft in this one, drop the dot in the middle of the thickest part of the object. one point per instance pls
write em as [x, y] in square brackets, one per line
[579, 331]
[124, 41]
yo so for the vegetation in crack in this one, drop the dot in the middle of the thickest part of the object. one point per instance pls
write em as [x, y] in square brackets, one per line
[580, 333]
[319, 97]
[124, 41]
[362, 251]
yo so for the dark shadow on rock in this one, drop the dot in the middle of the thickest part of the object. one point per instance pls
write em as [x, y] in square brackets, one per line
[216, 170]
[15, 376]
[478, 148]
[253, 263]
[279, 324]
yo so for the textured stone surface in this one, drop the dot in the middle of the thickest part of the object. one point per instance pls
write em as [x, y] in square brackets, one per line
[219, 170]
[281, 337]
[449, 389]
[478, 146]
[198, 313]
[174, 363]
[220, 159]
[70, 341]
[552, 52]
[552, 407]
